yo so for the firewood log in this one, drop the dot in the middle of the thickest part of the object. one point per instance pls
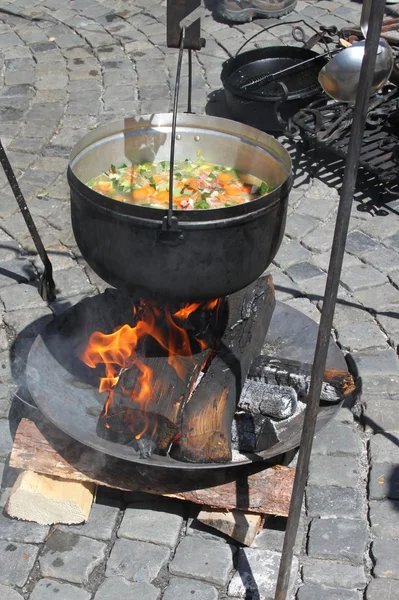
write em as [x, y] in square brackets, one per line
[207, 417]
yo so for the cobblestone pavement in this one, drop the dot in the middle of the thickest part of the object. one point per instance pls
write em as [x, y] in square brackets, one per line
[66, 66]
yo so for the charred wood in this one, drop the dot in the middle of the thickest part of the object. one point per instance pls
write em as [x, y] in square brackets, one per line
[336, 386]
[208, 416]
[251, 433]
[270, 400]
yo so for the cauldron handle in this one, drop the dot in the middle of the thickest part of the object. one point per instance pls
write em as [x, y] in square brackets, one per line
[321, 34]
[290, 130]
[171, 222]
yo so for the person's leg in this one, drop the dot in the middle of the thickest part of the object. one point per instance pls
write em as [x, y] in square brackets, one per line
[242, 11]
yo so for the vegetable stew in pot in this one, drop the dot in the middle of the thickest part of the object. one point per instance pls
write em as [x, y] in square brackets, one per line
[197, 185]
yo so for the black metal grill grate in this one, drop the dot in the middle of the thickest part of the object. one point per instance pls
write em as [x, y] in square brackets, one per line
[327, 124]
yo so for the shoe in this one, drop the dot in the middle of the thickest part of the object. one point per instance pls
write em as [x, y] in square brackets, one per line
[243, 11]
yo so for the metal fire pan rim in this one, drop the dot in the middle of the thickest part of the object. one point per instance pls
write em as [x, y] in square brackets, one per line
[52, 405]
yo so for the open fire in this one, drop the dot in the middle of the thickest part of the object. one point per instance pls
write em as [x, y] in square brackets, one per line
[189, 380]
[151, 369]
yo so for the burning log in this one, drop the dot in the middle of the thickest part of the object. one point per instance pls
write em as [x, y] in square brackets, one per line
[151, 426]
[149, 393]
[208, 416]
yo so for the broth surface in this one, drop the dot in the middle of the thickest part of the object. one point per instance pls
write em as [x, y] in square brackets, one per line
[197, 185]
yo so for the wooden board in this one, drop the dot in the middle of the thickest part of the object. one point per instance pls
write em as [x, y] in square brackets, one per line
[266, 491]
[240, 526]
[47, 500]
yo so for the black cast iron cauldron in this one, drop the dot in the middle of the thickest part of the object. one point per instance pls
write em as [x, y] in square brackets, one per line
[270, 106]
[211, 253]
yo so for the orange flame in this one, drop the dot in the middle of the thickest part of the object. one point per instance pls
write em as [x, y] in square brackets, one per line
[119, 350]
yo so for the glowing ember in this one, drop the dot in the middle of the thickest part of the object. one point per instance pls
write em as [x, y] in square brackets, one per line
[123, 349]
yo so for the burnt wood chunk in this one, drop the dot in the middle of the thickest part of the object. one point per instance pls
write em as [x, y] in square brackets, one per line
[336, 385]
[253, 433]
[208, 416]
[150, 425]
[258, 397]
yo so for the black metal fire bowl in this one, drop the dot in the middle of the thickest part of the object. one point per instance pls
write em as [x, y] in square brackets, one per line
[66, 390]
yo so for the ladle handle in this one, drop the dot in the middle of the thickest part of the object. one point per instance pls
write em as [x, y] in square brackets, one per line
[365, 17]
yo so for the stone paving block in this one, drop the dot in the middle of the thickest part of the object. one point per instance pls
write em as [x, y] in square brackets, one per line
[3, 339]
[256, 575]
[380, 363]
[382, 588]
[380, 228]
[100, 524]
[182, 589]
[7, 593]
[16, 562]
[71, 282]
[384, 448]
[290, 253]
[384, 517]
[303, 272]
[336, 438]
[361, 277]
[383, 259]
[381, 414]
[362, 336]
[323, 261]
[320, 239]
[200, 558]
[384, 481]
[338, 539]
[159, 523]
[118, 587]
[136, 561]
[306, 307]
[284, 286]
[20, 296]
[329, 501]
[334, 574]
[46, 589]
[378, 298]
[28, 323]
[71, 557]
[318, 592]
[385, 555]
[374, 385]
[17, 270]
[21, 531]
[341, 471]
[6, 440]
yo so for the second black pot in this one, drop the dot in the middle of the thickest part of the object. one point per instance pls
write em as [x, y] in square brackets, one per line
[270, 106]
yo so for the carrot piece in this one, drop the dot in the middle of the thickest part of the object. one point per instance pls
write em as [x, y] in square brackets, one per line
[140, 193]
[225, 177]
[233, 190]
[162, 196]
[159, 178]
[103, 186]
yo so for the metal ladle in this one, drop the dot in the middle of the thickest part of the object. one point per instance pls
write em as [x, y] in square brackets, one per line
[339, 78]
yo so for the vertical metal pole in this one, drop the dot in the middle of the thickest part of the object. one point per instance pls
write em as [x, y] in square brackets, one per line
[190, 80]
[331, 292]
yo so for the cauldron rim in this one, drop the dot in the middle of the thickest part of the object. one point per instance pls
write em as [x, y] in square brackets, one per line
[250, 135]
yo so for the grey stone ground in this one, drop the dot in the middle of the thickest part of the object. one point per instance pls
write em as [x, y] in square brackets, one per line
[66, 66]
